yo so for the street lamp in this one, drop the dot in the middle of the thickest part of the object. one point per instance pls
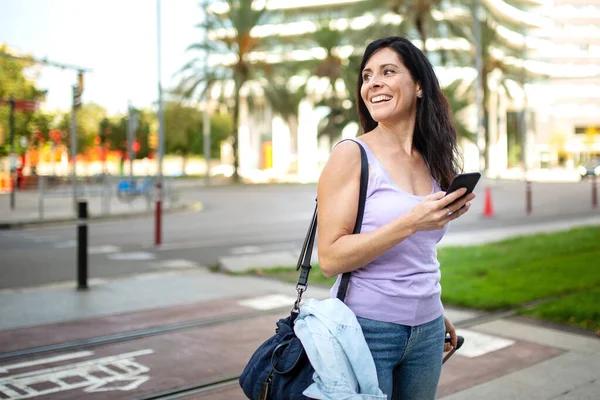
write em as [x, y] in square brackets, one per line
[161, 133]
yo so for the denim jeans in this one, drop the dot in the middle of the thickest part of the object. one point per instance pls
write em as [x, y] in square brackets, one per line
[408, 359]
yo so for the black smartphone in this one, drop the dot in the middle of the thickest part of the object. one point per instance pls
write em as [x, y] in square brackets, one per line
[467, 180]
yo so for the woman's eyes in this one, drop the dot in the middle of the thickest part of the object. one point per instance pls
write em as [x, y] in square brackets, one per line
[386, 72]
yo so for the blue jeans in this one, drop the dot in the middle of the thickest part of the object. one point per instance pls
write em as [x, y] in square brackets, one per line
[408, 359]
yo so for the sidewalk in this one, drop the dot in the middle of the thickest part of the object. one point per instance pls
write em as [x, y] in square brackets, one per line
[31, 210]
[506, 358]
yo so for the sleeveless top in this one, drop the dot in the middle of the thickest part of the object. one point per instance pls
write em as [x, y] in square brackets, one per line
[403, 284]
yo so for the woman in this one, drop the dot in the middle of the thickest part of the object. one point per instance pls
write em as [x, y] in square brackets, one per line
[411, 147]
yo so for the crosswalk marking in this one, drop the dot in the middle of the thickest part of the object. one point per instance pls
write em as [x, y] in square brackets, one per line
[132, 256]
[268, 302]
[103, 249]
[177, 264]
[477, 344]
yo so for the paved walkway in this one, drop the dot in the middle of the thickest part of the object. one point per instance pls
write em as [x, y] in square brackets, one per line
[503, 358]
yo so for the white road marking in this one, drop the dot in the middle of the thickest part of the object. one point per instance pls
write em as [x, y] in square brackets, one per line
[103, 249]
[69, 356]
[133, 256]
[43, 239]
[268, 302]
[477, 344]
[178, 264]
[119, 372]
[69, 244]
[245, 250]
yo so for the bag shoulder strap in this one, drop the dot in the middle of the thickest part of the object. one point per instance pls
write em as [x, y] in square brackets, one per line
[307, 248]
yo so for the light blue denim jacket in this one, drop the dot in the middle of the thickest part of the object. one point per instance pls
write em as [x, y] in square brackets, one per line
[336, 348]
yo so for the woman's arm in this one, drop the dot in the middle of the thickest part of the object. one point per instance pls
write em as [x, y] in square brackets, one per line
[342, 251]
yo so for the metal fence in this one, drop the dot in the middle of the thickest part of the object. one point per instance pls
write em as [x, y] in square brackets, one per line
[43, 197]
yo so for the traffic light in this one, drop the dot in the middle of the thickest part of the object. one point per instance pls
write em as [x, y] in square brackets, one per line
[80, 82]
[153, 141]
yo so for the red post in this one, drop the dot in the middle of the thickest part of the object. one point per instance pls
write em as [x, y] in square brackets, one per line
[594, 193]
[158, 215]
[528, 197]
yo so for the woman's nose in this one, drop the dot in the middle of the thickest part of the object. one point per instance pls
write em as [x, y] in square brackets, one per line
[374, 82]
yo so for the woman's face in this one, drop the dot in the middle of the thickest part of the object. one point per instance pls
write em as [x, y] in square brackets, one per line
[388, 89]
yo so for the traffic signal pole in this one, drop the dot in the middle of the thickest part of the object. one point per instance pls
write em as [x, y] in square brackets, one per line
[13, 156]
[161, 136]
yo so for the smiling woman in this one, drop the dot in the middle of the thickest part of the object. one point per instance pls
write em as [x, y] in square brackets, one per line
[394, 289]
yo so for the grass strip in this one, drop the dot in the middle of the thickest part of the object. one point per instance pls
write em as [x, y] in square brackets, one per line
[515, 272]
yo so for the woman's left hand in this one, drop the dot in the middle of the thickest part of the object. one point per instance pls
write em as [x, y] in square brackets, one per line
[453, 336]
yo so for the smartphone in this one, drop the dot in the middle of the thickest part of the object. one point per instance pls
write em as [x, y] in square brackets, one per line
[467, 180]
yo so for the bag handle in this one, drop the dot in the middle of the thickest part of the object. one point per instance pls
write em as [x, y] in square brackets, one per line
[307, 248]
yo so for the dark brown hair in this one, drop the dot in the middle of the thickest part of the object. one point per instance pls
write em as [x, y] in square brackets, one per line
[435, 133]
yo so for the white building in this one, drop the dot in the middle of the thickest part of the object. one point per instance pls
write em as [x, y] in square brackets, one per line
[562, 52]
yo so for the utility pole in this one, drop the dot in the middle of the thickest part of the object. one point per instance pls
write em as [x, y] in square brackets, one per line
[77, 90]
[132, 125]
[13, 156]
[528, 206]
[161, 134]
[479, 86]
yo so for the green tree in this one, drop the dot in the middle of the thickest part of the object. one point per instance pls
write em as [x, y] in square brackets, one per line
[239, 19]
[13, 81]
[88, 119]
[459, 101]
[184, 126]
[490, 42]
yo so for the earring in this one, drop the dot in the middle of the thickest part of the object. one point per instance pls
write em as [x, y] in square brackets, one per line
[420, 94]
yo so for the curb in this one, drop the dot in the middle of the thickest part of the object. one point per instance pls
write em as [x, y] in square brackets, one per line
[196, 207]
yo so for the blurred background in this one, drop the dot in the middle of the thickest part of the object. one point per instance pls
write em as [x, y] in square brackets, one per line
[275, 81]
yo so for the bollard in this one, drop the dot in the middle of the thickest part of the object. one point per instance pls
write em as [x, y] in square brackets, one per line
[158, 215]
[528, 197]
[594, 193]
[82, 247]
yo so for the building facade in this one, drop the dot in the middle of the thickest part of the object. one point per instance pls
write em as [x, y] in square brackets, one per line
[542, 115]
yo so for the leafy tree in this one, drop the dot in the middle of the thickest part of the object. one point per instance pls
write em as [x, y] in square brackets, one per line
[239, 18]
[285, 101]
[459, 101]
[13, 81]
[490, 41]
[88, 120]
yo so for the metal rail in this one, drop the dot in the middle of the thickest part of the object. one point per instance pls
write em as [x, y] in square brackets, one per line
[133, 335]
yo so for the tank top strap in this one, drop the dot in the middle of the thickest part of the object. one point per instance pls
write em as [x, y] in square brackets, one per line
[370, 156]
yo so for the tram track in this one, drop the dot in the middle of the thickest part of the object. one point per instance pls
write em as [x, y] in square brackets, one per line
[185, 391]
[135, 334]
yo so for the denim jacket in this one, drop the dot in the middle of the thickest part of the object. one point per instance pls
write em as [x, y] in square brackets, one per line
[337, 350]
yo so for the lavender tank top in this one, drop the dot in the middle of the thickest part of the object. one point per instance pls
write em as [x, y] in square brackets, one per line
[402, 285]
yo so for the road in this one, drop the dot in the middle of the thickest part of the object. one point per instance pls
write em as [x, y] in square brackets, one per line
[237, 219]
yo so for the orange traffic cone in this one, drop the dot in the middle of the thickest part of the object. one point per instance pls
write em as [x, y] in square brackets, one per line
[488, 208]
[4, 184]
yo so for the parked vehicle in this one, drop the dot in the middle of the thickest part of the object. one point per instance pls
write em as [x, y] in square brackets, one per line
[589, 169]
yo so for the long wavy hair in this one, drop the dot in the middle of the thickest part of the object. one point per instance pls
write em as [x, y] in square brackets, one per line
[435, 134]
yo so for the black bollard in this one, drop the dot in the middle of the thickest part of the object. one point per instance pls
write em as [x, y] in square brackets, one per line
[82, 247]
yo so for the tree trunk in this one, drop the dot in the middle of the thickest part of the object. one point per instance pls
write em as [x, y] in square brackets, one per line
[486, 130]
[420, 24]
[293, 125]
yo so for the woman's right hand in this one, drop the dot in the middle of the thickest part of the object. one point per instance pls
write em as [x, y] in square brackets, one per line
[436, 210]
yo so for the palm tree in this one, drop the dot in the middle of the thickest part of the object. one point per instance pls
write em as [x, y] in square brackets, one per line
[491, 40]
[285, 101]
[458, 101]
[227, 32]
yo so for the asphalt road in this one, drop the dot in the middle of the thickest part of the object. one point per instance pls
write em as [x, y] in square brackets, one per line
[238, 219]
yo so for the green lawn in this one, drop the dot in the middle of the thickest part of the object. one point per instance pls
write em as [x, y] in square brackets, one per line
[563, 268]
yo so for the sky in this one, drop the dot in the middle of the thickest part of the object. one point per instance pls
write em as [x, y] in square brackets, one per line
[116, 39]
